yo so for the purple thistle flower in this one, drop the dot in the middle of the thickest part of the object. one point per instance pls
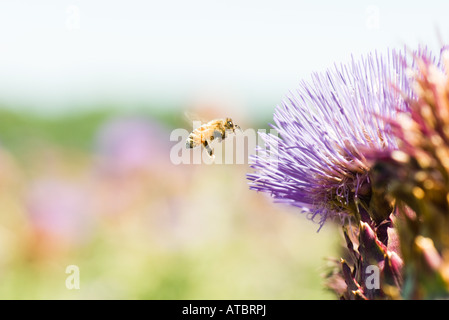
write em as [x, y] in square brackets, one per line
[318, 162]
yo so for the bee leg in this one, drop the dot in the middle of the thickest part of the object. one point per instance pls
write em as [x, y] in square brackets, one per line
[209, 149]
[237, 127]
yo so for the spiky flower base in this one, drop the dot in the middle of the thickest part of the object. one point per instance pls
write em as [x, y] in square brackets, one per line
[371, 268]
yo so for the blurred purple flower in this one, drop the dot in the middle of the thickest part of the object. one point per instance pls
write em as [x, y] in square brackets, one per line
[128, 144]
[318, 161]
[59, 208]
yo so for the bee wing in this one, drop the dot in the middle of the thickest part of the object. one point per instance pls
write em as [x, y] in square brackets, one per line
[190, 116]
[193, 120]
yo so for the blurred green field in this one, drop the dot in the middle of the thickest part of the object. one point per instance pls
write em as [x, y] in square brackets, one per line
[141, 227]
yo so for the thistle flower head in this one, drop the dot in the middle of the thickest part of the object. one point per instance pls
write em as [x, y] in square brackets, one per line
[318, 161]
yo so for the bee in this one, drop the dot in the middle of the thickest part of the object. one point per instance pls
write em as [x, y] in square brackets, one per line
[213, 130]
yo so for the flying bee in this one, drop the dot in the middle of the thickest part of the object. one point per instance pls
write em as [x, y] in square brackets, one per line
[213, 130]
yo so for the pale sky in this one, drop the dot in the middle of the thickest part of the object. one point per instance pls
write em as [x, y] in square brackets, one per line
[57, 53]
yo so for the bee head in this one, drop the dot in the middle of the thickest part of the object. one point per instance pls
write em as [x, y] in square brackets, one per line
[229, 124]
